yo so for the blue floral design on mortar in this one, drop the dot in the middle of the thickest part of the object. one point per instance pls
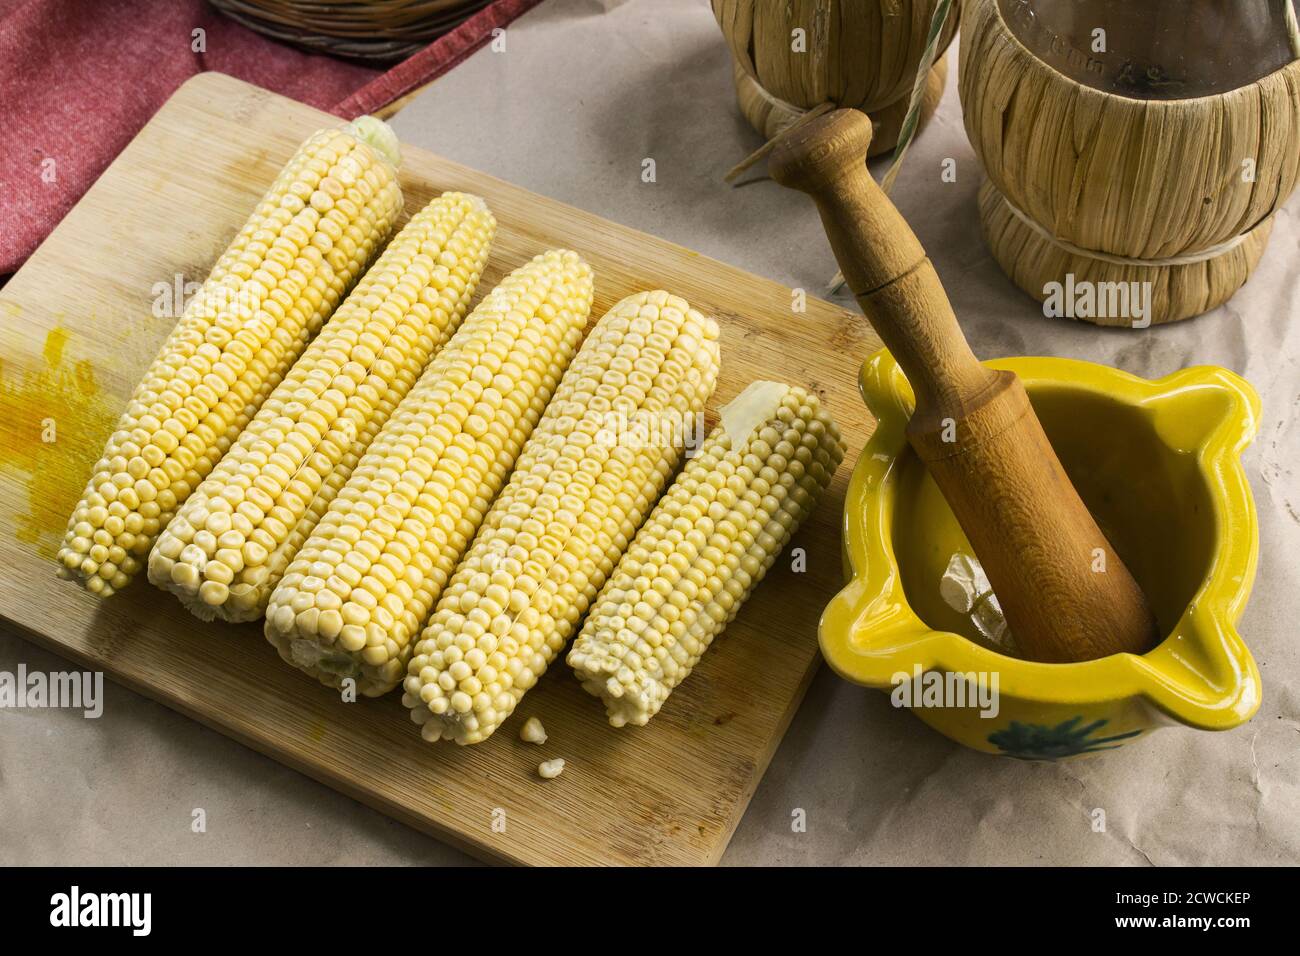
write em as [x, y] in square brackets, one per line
[1066, 739]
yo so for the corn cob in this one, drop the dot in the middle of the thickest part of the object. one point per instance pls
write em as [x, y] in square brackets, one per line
[352, 601]
[230, 543]
[307, 241]
[576, 498]
[705, 547]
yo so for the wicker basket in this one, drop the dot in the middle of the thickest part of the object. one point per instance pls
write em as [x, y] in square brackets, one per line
[1089, 188]
[771, 117]
[382, 31]
[859, 53]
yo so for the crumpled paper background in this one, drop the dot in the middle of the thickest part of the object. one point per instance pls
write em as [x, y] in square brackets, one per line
[583, 92]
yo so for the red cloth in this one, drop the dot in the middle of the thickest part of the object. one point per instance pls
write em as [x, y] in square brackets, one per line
[79, 79]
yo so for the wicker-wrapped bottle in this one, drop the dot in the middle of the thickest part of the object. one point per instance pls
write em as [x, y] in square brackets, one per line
[794, 56]
[1131, 146]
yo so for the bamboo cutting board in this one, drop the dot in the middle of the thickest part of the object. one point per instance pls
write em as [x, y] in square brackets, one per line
[77, 330]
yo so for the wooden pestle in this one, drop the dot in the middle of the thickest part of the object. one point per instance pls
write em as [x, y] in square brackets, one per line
[1065, 593]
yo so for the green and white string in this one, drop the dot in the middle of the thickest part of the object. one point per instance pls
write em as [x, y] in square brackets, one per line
[913, 118]
[907, 132]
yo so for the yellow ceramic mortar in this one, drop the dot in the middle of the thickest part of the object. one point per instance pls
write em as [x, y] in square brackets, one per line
[1158, 464]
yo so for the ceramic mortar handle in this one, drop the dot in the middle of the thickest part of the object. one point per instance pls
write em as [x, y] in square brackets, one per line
[1066, 594]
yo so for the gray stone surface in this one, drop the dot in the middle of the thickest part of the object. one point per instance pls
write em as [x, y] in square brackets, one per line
[583, 93]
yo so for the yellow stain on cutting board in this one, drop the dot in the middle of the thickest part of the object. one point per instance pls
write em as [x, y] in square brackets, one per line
[57, 399]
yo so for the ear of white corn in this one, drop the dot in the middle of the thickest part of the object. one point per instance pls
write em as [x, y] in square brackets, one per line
[705, 547]
[307, 241]
[358, 591]
[230, 543]
[576, 498]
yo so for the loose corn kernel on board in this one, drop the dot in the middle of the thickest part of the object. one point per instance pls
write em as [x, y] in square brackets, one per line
[77, 331]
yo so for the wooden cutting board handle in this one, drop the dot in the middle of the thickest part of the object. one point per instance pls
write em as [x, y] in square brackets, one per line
[1065, 593]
